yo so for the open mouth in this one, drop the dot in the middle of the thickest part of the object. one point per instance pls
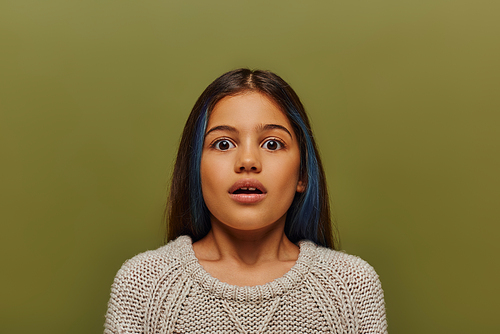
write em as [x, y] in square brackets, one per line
[247, 190]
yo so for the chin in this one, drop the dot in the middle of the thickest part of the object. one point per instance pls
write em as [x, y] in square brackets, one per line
[249, 225]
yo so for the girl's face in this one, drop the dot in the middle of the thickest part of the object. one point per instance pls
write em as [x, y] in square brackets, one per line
[250, 163]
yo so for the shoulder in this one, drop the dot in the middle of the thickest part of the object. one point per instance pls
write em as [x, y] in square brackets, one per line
[136, 281]
[351, 279]
[153, 261]
[347, 275]
[344, 265]
[164, 254]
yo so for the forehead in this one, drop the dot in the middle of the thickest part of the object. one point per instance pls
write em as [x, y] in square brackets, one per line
[247, 109]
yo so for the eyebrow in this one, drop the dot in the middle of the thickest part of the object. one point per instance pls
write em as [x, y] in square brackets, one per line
[222, 128]
[275, 127]
[262, 127]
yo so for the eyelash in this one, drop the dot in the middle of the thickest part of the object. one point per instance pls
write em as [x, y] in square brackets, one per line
[281, 144]
[218, 141]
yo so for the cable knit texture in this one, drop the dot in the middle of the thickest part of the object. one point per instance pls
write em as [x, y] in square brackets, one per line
[168, 291]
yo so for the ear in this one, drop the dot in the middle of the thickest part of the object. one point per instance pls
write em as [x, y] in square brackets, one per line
[301, 186]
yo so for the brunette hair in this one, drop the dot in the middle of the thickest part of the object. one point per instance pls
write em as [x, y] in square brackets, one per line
[309, 214]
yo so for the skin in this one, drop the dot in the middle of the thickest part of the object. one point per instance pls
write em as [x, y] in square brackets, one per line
[248, 138]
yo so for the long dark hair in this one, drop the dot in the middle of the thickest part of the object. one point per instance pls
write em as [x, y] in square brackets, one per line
[309, 215]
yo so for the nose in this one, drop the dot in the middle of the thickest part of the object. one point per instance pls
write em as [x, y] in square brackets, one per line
[248, 160]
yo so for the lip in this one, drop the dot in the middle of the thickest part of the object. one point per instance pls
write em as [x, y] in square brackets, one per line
[247, 198]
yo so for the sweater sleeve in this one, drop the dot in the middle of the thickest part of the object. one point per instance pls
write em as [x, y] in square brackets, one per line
[129, 294]
[368, 298]
[126, 304]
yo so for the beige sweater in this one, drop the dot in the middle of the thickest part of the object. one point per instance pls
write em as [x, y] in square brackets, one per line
[168, 291]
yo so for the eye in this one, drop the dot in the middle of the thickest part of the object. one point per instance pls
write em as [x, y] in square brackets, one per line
[223, 145]
[272, 145]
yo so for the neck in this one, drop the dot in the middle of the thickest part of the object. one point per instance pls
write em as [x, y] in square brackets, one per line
[246, 248]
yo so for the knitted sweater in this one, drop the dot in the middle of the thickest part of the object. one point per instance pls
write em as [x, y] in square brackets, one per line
[168, 291]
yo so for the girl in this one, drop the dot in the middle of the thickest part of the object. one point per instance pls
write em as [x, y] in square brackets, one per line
[250, 244]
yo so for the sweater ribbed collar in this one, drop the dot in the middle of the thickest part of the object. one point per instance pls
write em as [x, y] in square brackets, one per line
[256, 293]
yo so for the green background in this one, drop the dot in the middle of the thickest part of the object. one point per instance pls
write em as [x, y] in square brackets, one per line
[404, 100]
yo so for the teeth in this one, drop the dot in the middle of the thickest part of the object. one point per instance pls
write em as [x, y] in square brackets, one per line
[244, 188]
[251, 189]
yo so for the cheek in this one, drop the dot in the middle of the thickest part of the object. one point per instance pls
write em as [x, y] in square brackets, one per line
[286, 173]
[212, 172]
[214, 187]
[206, 173]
